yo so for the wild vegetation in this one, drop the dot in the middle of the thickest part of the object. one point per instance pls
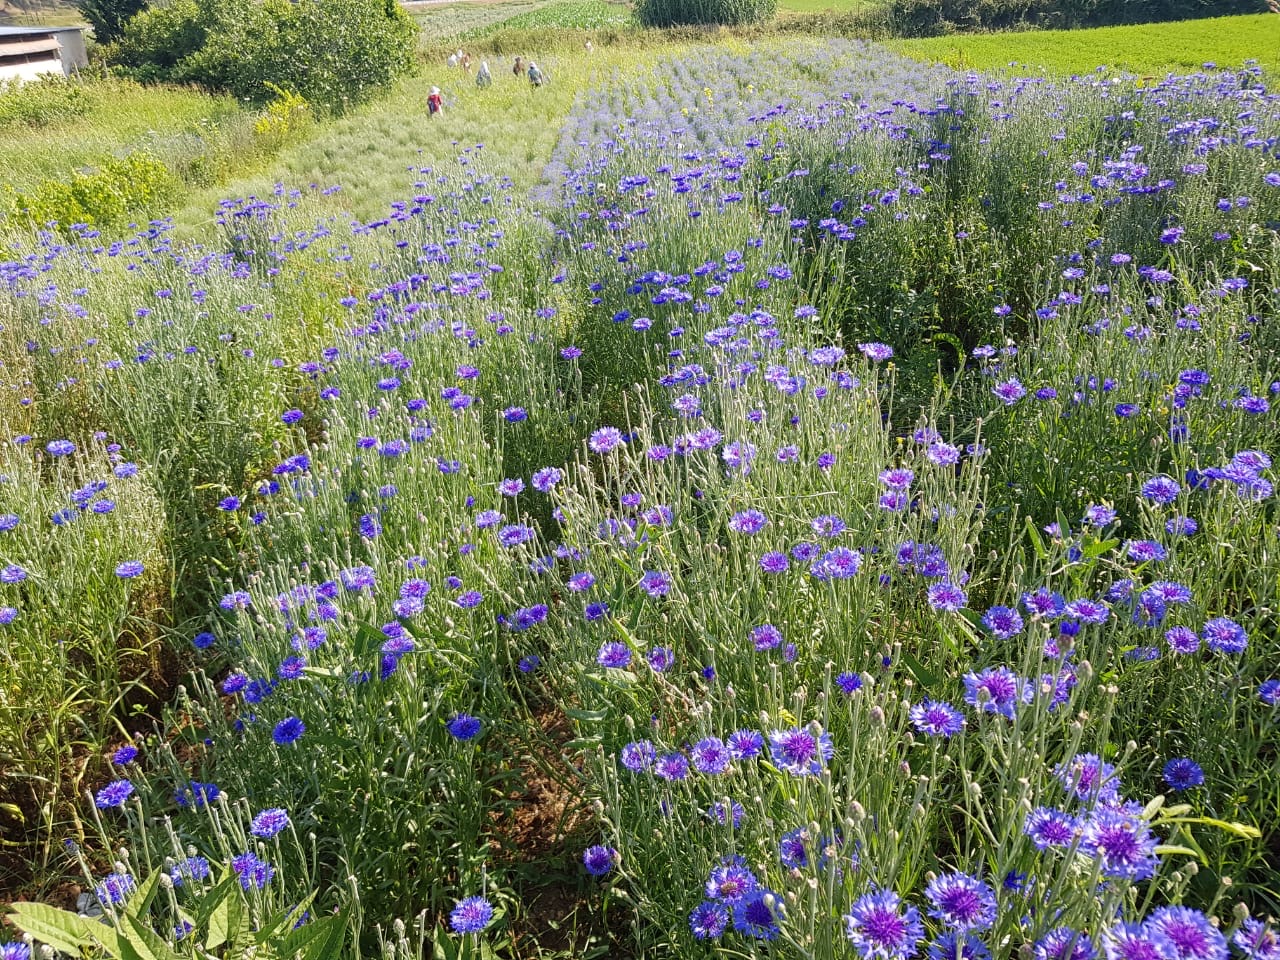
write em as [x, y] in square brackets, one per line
[771, 498]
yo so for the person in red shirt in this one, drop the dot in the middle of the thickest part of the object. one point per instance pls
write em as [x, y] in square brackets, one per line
[435, 102]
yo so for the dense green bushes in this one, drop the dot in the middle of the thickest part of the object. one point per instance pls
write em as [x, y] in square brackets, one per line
[670, 13]
[332, 52]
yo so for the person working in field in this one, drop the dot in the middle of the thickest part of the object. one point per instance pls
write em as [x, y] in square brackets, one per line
[435, 103]
[483, 77]
[535, 75]
[518, 69]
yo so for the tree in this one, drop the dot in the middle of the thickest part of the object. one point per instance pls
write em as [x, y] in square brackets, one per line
[108, 17]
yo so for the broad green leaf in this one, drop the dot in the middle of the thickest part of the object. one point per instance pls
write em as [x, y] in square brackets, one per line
[60, 929]
[328, 942]
[140, 902]
[224, 922]
[144, 940]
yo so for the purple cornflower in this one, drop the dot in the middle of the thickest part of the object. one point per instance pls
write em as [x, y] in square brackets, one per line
[731, 880]
[961, 902]
[1089, 777]
[614, 655]
[638, 756]
[880, 928]
[774, 562]
[605, 439]
[269, 822]
[710, 756]
[661, 659]
[599, 860]
[253, 873]
[996, 690]
[876, 352]
[791, 849]
[749, 522]
[126, 754]
[800, 751]
[766, 637]
[1132, 941]
[1255, 939]
[656, 583]
[672, 766]
[1063, 943]
[1048, 827]
[747, 744]
[946, 596]
[1122, 843]
[1192, 935]
[949, 946]
[1010, 391]
[936, 718]
[1003, 622]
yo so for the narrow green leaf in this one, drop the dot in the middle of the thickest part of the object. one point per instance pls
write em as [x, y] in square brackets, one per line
[1166, 849]
[1037, 542]
[328, 942]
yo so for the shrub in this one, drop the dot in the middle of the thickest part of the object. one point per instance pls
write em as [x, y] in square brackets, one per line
[670, 13]
[51, 99]
[119, 190]
[333, 53]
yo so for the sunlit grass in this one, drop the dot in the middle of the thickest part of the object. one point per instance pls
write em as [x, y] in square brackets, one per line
[1155, 48]
[122, 117]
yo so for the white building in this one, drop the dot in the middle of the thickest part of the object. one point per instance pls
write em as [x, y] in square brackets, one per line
[29, 52]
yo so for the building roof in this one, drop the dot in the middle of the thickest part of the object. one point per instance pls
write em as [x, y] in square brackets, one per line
[22, 32]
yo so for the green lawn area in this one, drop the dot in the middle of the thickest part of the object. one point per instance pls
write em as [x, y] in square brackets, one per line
[1147, 49]
[819, 6]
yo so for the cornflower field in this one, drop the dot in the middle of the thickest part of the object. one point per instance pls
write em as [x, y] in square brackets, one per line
[830, 515]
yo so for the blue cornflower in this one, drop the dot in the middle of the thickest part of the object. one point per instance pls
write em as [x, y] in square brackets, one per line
[1183, 773]
[253, 873]
[288, 731]
[114, 794]
[709, 920]
[471, 915]
[757, 914]
[464, 727]
[1048, 827]
[599, 860]
[126, 754]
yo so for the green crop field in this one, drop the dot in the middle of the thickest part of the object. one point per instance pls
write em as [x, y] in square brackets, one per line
[1148, 49]
[753, 495]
